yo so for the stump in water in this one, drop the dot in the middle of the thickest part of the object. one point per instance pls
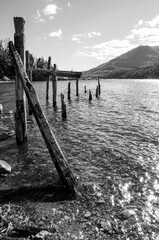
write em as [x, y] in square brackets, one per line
[48, 78]
[69, 91]
[63, 107]
[77, 93]
[90, 95]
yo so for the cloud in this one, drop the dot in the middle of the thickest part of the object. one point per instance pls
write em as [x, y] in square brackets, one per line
[79, 37]
[57, 34]
[38, 17]
[143, 33]
[106, 50]
[50, 10]
[68, 4]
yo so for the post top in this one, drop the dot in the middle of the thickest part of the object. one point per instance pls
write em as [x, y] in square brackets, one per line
[19, 24]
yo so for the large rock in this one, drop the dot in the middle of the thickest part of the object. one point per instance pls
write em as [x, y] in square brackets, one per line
[5, 168]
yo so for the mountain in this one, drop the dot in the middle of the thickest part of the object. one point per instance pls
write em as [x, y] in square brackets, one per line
[140, 59]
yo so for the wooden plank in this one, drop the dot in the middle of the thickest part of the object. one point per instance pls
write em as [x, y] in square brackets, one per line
[60, 73]
[68, 74]
[56, 154]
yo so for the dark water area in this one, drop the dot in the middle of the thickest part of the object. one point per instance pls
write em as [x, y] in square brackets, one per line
[111, 143]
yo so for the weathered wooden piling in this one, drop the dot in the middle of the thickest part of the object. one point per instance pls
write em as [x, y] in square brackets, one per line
[99, 87]
[63, 108]
[55, 152]
[29, 71]
[90, 95]
[69, 91]
[20, 114]
[97, 91]
[48, 78]
[54, 85]
[85, 89]
[77, 93]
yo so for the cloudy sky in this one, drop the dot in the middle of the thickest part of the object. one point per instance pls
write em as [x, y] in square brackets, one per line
[82, 34]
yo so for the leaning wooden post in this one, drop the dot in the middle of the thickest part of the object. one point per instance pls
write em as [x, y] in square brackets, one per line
[90, 95]
[77, 93]
[63, 108]
[48, 78]
[54, 85]
[99, 87]
[29, 71]
[69, 91]
[56, 154]
[20, 114]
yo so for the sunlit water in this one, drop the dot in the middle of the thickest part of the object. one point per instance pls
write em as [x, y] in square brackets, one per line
[111, 141]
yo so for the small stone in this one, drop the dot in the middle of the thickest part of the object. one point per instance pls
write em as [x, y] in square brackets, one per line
[42, 235]
[101, 201]
[126, 214]
[5, 168]
[87, 214]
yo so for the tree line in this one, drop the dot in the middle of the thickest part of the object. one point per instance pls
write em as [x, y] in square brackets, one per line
[7, 71]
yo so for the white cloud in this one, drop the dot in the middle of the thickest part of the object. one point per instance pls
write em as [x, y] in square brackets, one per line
[140, 22]
[50, 10]
[79, 37]
[143, 33]
[57, 34]
[38, 17]
[107, 50]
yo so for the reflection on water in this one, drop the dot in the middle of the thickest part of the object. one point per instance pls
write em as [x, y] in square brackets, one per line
[111, 142]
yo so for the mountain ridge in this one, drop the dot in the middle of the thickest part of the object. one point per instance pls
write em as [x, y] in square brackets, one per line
[141, 58]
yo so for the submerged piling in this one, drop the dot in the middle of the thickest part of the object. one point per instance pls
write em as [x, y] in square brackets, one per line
[48, 79]
[77, 93]
[99, 87]
[54, 85]
[69, 91]
[63, 108]
[90, 95]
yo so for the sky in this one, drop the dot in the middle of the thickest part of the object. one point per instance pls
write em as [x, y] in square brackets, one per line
[82, 34]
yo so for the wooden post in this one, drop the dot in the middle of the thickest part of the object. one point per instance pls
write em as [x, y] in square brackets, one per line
[29, 71]
[55, 152]
[90, 95]
[97, 91]
[20, 114]
[63, 108]
[54, 85]
[85, 90]
[69, 91]
[99, 87]
[48, 78]
[77, 93]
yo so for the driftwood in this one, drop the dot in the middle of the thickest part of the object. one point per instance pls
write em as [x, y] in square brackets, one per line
[20, 114]
[56, 154]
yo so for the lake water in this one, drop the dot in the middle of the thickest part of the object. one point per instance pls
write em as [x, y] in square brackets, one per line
[111, 141]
